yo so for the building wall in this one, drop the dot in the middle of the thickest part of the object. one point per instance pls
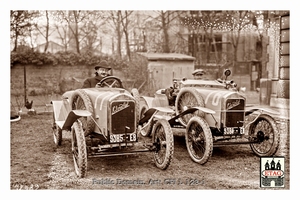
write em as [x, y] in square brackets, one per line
[279, 73]
[162, 72]
[52, 47]
[278, 65]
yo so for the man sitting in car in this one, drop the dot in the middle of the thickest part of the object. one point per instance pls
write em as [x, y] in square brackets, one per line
[172, 92]
[101, 71]
[199, 74]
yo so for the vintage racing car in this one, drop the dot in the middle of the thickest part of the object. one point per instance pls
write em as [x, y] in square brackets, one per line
[103, 122]
[213, 113]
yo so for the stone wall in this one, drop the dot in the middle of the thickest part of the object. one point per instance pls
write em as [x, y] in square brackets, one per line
[284, 144]
[41, 80]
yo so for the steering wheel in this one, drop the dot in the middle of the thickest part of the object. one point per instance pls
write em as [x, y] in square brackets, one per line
[111, 82]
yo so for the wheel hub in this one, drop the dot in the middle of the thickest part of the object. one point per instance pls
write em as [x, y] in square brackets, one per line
[260, 136]
[157, 145]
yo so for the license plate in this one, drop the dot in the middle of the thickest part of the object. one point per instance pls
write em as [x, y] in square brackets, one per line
[233, 130]
[131, 137]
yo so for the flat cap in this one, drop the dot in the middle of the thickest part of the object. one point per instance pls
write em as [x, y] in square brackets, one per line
[198, 72]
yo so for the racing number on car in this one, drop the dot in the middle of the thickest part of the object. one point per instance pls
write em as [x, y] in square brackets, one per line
[215, 99]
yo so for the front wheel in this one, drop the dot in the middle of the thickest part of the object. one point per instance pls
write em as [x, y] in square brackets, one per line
[79, 150]
[80, 100]
[57, 135]
[265, 132]
[199, 140]
[164, 142]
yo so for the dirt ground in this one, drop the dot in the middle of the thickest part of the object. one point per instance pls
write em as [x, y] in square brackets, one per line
[36, 163]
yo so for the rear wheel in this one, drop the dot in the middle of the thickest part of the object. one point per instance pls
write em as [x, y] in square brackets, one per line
[187, 98]
[57, 133]
[264, 130]
[81, 101]
[199, 140]
[79, 150]
[164, 143]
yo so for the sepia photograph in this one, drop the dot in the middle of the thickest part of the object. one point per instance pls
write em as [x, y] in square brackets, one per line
[138, 99]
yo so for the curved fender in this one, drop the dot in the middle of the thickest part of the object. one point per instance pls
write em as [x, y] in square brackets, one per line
[73, 116]
[150, 112]
[206, 110]
[268, 110]
[191, 110]
[164, 109]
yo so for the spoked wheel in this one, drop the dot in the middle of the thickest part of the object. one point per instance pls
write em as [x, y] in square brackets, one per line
[199, 140]
[57, 133]
[187, 98]
[164, 143]
[79, 150]
[81, 101]
[264, 130]
[111, 82]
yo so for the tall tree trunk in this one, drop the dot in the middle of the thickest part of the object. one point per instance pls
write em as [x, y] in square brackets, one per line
[207, 46]
[125, 30]
[215, 47]
[166, 47]
[127, 46]
[75, 31]
[16, 42]
[166, 41]
[235, 44]
[47, 32]
[119, 34]
[77, 38]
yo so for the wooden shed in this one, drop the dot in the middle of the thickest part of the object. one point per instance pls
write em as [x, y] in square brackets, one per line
[163, 67]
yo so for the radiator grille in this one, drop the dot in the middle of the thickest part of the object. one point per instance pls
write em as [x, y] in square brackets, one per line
[234, 112]
[122, 117]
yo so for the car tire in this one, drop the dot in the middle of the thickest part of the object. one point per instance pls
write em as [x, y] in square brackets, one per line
[81, 101]
[264, 130]
[57, 133]
[199, 141]
[187, 98]
[79, 151]
[164, 143]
